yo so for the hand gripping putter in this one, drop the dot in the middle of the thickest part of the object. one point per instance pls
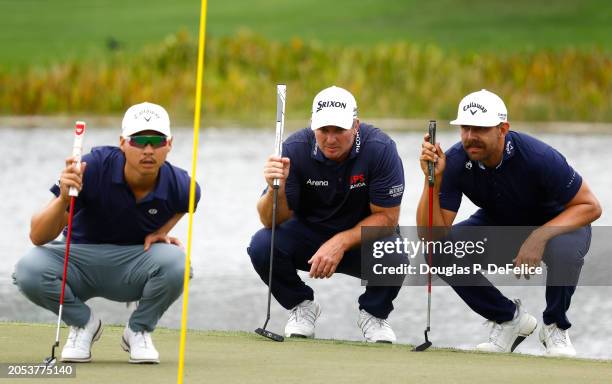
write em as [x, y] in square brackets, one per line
[431, 180]
[281, 97]
[77, 150]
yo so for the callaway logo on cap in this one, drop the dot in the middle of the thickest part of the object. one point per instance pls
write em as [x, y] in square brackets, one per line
[481, 109]
[145, 117]
[333, 106]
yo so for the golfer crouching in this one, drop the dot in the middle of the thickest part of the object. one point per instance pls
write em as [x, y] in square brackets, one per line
[335, 177]
[129, 200]
[515, 180]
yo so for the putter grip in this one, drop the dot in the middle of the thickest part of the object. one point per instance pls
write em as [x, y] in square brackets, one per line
[432, 140]
[77, 150]
[281, 97]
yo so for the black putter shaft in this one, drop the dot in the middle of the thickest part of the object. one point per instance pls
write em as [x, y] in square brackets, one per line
[431, 180]
[281, 93]
[263, 331]
[274, 202]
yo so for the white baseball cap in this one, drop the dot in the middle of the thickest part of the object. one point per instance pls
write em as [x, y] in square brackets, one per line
[145, 117]
[481, 109]
[333, 106]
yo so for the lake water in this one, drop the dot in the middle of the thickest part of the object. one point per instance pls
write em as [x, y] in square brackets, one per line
[226, 293]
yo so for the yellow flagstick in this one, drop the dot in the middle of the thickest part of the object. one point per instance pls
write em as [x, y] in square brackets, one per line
[192, 187]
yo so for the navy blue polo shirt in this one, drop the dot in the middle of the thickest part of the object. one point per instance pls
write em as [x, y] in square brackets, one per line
[335, 196]
[530, 186]
[106, 211]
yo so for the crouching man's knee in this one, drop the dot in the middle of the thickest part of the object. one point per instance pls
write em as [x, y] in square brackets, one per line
[169, 260]
[31, 271]
[259, 251]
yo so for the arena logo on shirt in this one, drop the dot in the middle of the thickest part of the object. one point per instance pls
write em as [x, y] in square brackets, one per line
[358, 181]
[318, 183]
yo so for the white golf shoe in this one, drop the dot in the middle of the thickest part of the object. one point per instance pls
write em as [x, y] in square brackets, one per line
[140, 346]
[375, 330]
[556, 341]
[302, 319]
[78, 345]
[505, 337]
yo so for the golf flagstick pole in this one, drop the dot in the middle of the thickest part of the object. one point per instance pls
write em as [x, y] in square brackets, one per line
[281, 99]
[77, 151]
[431, 182]
[192, 185]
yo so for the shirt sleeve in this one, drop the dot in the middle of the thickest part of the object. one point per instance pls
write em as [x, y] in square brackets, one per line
[559, 180]
[183, 195]
[450, 191]
[387, 178]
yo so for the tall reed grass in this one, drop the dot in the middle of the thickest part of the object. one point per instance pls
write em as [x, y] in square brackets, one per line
[388, 80]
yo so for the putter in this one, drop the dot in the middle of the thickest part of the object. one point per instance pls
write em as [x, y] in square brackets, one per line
[281, 95]
[77, 150]
[431, 180]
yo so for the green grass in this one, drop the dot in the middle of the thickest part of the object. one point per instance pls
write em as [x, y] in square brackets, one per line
[40, 31]
[398, 80]
[238, 357]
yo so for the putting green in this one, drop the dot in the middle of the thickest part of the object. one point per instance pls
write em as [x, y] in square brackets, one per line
[239, 357]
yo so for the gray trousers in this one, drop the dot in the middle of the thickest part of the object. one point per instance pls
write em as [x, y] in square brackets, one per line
[115, 272]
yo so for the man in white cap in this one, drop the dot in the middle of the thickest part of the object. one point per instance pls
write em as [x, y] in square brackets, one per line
[130, 198]
[515, 180]
[336, 176]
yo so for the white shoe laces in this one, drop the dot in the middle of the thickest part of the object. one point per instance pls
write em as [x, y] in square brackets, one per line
[302, 313]
[373, 321]
[77, 338]
[558, 336]
[142, 339]
[496, 330]
[72, 336]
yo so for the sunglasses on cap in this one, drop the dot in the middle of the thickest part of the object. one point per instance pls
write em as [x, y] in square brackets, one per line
[155, 141]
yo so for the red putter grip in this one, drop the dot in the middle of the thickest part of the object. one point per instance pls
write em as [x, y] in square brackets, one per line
[77, 150]
[79, 128]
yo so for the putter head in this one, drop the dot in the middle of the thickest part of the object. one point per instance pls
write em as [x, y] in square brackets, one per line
[422, 347]
[50, 361]
[425, 345]
[269, 335]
